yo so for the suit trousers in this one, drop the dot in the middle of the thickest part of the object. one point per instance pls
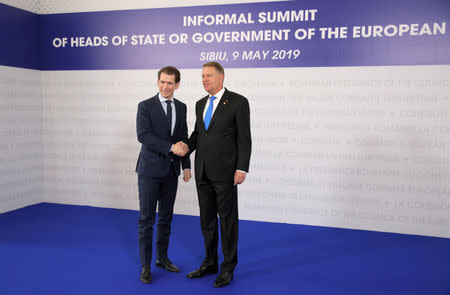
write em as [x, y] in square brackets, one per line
[155, 191]
[218, 198]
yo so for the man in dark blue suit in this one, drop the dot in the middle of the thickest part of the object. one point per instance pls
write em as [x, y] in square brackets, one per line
[160, 124]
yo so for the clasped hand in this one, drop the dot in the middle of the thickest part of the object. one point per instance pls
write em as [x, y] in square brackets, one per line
[180, 149]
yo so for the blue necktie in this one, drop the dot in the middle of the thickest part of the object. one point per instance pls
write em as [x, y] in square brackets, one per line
[209, 112]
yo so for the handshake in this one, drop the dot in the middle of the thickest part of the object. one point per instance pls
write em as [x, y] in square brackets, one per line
[180, 149]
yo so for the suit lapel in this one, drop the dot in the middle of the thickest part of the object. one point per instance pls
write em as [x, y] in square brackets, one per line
[177, 115]
[220, 108]
[160, 111]
[201, 108]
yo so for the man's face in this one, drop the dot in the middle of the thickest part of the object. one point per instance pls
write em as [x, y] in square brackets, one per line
[212, 80]
[167, 85]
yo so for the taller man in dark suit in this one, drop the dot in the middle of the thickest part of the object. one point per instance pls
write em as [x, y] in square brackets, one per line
[222, 141]
[160, 123]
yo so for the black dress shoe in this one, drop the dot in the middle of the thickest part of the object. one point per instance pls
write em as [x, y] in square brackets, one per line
[203, 270]
[146, 275]
[223, 279]
[166, 264]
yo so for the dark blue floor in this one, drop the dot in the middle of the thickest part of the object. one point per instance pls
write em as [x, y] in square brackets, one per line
[62, 249]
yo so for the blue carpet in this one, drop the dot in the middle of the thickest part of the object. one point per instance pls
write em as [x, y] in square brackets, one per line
[62, 249]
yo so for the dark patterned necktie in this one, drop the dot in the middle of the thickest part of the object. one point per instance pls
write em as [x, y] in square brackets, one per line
[169, 115]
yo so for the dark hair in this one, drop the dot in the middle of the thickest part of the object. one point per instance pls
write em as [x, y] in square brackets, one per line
[169, 70]
[216, 65]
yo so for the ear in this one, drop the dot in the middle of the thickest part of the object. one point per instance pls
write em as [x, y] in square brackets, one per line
[177, 85]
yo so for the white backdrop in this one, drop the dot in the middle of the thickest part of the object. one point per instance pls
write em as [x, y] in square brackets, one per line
[349, 147]
[352, 147]
[21, 162]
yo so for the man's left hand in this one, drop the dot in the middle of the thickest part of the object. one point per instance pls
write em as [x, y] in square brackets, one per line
[239, 177]
[186, 175]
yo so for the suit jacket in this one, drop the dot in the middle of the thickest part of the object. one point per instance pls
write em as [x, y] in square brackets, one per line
[226, 146]
[154, 135]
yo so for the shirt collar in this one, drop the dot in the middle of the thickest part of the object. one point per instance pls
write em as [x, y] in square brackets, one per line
[218, 95]
[163, 99]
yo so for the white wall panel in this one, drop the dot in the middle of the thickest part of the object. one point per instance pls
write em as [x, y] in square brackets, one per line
[20, 138]
[363, 147]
